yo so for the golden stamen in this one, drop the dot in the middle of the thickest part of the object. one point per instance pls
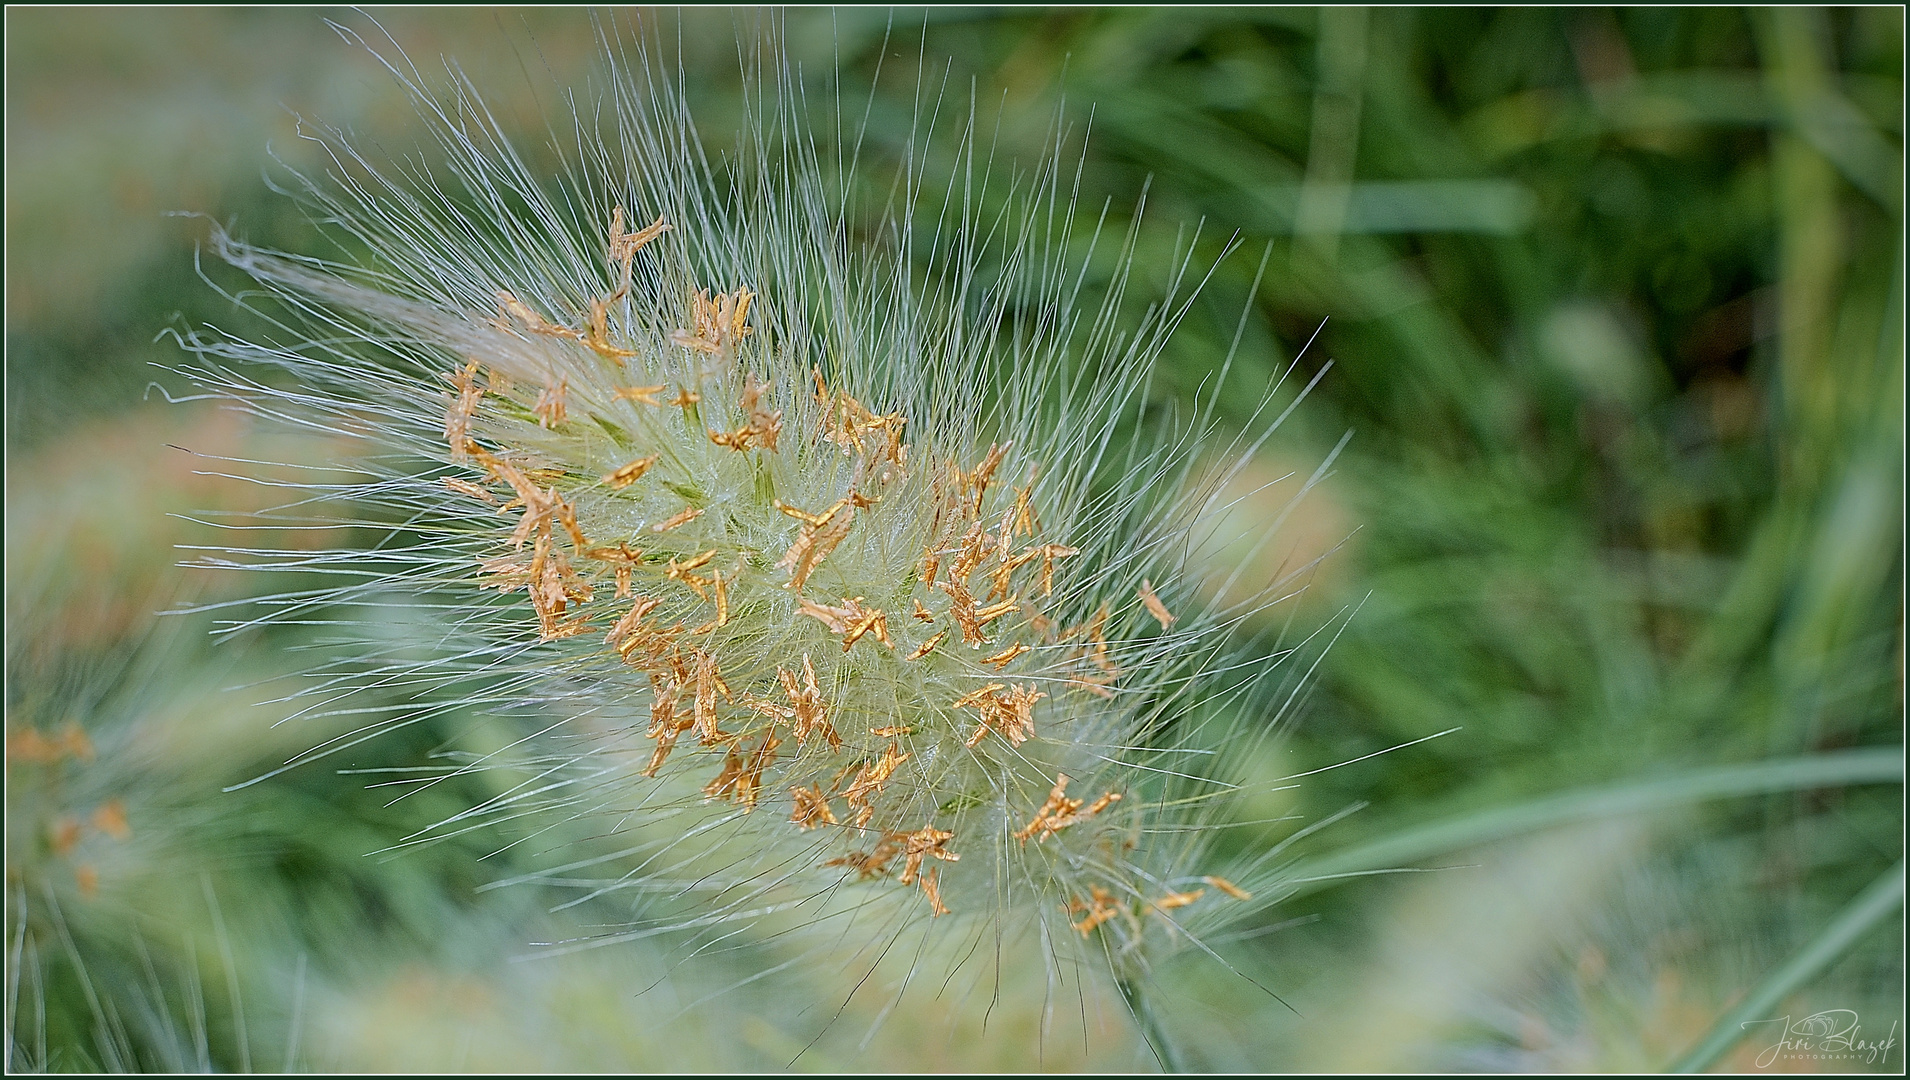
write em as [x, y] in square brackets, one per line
[927, 646]
[631, 473]
[1002, 658]
[821, 534]
[645, 394]
[931, 888]
[1155, 607]
[684, 517]
[510, 307]
[1228, 887]
[465, 487]
[1176, 900]
[597, 333]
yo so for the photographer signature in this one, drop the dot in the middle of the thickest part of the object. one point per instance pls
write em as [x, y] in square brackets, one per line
[1830, 1035]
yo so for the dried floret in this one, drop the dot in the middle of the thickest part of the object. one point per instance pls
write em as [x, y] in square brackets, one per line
[511, 309]
[1007, 710]
[920, 844]
[716, 324]
[807, 707]
[742, 777]
[597, 333]
[550, 408]
[623, 559]
[811, 808]
[821, 534]
[623, 246]
[465, 487]
[1060, 811]
[851, 620]
[457, 419]
[870, 780]
[1099, 909]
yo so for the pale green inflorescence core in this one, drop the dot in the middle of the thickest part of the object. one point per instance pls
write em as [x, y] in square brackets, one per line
[838, 627]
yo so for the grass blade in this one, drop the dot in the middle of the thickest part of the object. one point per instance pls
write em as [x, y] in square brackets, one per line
[1875, 903]
[1843, 767]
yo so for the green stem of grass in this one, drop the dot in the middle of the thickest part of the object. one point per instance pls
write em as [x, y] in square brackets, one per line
[1871, 906]
[1150, 1025]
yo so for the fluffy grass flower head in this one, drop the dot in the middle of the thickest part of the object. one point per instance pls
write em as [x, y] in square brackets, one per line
[825, 554]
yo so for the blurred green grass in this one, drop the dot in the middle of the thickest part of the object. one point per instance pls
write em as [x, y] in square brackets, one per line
[1614, 300]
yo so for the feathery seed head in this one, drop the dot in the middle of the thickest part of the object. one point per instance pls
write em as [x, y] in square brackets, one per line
[829, 569]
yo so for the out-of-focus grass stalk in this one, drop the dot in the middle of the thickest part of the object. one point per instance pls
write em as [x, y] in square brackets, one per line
[1872, 905]
[1158, 1040]
[1320, 212]
[1840, 769]
[1822, 382]
[1810, 239]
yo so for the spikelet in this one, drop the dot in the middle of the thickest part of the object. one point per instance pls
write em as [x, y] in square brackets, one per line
[714, 477]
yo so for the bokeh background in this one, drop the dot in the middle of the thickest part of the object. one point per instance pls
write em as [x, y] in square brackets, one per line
[1613, 301]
